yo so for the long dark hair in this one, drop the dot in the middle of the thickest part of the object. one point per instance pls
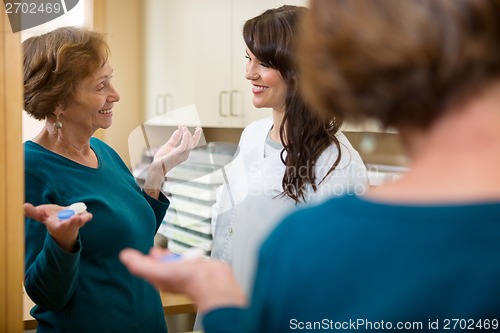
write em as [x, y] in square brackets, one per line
[271, 38]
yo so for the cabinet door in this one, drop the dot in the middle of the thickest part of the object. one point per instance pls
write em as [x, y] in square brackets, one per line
[210, 59]
[169, 55]
[155, 85]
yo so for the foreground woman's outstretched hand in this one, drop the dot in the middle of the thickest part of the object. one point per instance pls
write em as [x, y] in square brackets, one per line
[209, 283]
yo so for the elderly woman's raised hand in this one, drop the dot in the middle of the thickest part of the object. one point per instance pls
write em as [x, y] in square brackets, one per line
[169, 155]
[64, 232]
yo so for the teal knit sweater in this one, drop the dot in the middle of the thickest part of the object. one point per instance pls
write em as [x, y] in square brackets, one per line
[90, 290]
[356, 265]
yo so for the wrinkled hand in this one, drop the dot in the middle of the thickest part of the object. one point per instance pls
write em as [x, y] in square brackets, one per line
[168, 156]
[65, 232]
[209, 283]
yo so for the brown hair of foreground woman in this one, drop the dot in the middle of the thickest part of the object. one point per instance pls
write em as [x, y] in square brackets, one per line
[401, 62]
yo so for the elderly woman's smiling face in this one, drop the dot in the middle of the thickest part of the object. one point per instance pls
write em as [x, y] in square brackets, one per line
[93, 101]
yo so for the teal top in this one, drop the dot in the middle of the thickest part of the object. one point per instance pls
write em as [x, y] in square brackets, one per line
[90, 290]
[351, 260]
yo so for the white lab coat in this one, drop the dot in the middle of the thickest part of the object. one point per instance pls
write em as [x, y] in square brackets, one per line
[248, 208]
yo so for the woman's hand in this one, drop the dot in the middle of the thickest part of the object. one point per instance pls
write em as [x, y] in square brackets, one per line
[209, 283]
[64, 232]
[168, 156]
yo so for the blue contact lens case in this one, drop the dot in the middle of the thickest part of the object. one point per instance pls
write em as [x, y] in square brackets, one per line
[65, 214]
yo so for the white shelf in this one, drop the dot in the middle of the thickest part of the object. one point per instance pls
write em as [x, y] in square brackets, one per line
[180, 248]
[188, 222]
[190, 207]
[176, 247]
[196, 176]
[185, 237]
[190, 191]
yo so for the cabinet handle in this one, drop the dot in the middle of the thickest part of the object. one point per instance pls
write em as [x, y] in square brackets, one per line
[161, 103]
[231, 103]
[169, 106]
[221, 94]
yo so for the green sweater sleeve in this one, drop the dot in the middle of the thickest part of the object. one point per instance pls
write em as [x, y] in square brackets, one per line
[245, 320]
[51, 272]
[159, 207]
[223, 320]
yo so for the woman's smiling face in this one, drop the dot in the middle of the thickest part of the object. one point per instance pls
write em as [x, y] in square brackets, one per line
[93, 102]
[269, 89]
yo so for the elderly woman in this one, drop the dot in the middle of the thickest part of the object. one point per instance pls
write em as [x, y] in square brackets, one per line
[418, 254]
[73, 273]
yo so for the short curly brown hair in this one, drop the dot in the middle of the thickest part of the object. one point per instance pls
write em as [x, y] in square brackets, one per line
[403, 63]
[54, 64]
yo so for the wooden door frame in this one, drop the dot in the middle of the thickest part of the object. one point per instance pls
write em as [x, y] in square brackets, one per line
[11, 180]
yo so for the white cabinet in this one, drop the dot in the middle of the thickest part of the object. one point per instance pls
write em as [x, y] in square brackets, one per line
[183, 61]
[195, 54]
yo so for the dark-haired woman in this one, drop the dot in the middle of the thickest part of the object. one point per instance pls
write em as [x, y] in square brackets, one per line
[293, 158]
